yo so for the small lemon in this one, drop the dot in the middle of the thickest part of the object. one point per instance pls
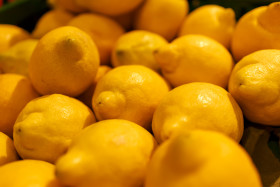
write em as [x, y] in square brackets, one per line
[103, 30]
[195, 58]
[46, 126]
[137, 47]
[27, 173]
[198, 106]
[213, 21]
[7, 150]
[129, 92]
[51, 20]
[110, 7]
[16, 58]
[15, 92]
[65, 61]
[10, 35]
[256, 30]
[254, 83]
[163, 17]
[201, 158]
[111, 153]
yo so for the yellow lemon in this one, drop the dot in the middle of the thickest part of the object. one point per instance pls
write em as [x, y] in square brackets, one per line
[10, 35]
[198, 106]
[163, 17]
[129, 92]
[137, 47]
[195, 58]
[110, 7]
[68, 5]
[15, 92]
[104, 31]
[254, 83]
[46, 126]
[86, 97]
[65, 61]
[111, 153]
[213, 21]
[51, 20]
[125, 20]
[256, 30]
[27, 173]
[7, 150]
[199, 159]
[16, 58]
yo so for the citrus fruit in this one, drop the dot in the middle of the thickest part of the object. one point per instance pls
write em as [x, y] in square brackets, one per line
[25, 173]
[7, 150]
[16, 58]
[255, 86]
[195, 58]
[51, 20]
[137, 47]
[198, 106]
[110, 7]
[103, 30]
[213, 21]
[111, 153]
[256, 30]
[10, 35]
[15, 92]
[68, 5]
[129, 92]
[201, 158]
[46, 126]
[65, 61]
[163, 17]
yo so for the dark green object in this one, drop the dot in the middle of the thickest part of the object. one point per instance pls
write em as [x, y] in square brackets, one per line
[240, 7]
[23, 13]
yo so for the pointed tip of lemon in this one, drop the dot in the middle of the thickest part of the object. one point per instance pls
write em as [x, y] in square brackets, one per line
[108, 105]
[167, 57]
[270, 18]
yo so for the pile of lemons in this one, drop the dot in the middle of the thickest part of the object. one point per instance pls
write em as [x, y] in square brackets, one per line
[136, 93]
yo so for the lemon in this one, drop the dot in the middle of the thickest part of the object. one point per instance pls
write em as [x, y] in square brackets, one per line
[129, 92]
[16, 58]
[65, 61]
[7, 150]
[198, 106]
[46, 126]
[110, 7]
[10, 35]
[163, 17]
[137, 47]
[195, 58]
[255, 86]
[15, 92]
[111, 153]
[201, 158]
[213, 21]
[51, 20]
[103, 30]
[68, 5]
[27, 173]
[256, 30]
